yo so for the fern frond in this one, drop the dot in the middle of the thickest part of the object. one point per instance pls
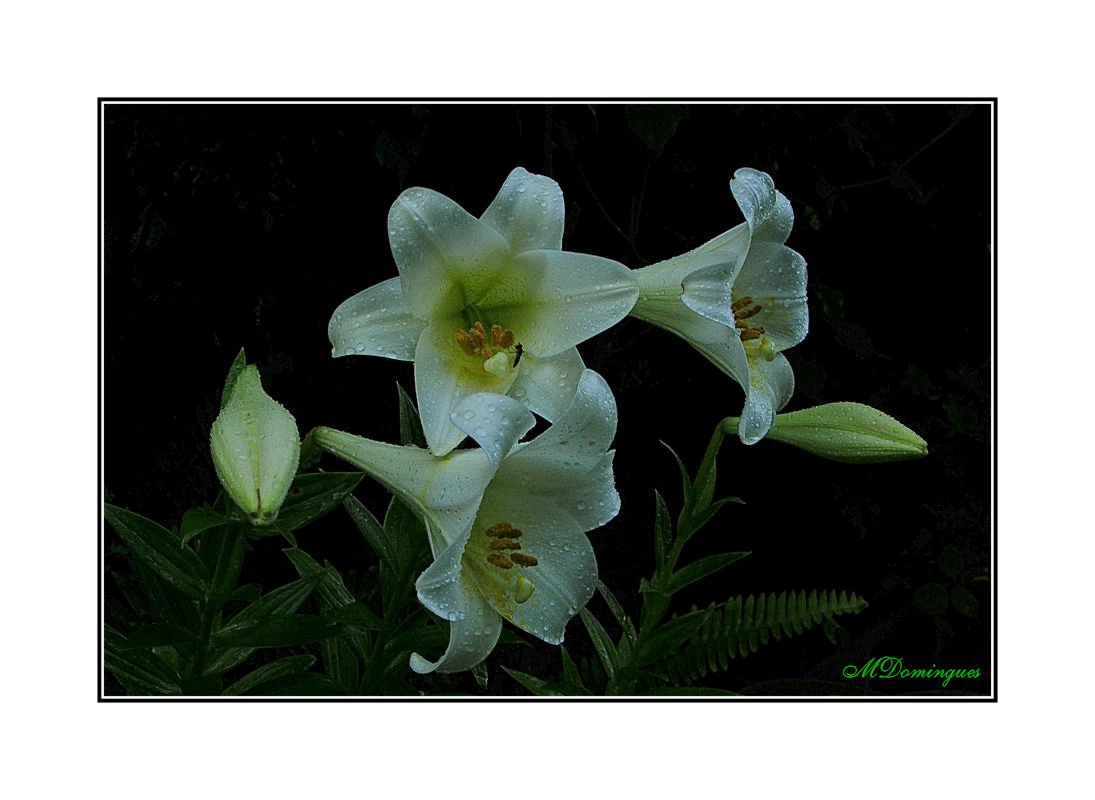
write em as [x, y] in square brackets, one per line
[741, 625]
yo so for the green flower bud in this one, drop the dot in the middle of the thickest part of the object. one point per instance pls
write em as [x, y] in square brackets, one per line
[848, 432]
[256, 448]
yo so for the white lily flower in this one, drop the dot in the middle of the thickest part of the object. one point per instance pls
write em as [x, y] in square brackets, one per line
[507, 522]
[485, 305]
[740, 300]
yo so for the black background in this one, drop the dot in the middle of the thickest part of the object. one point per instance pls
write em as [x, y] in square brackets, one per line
[246, 225]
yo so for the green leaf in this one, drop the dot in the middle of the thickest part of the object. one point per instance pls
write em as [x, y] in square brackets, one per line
[330, 588]
[542, 688]
[156, 635]
[230, 544]
[166, 603]
[685, 480]
[931, 598]
[161, 550]
[233, 372]
[950, 561]
[340, 663]
[337, 602]
[410, 424]
[602, 643]
[479, 672]
[570, 669]
[655, 124]
[688, 575]
[310, 684]
[356, 615]
[963, 601]
[199, 520]
[281, 601]
[371, 529]
[313, 495]
[741, 625]
[667, 637]
[663, 530]
[618, 612]
[278, 631]
[139, 669]
[248, 593]
[283, 667]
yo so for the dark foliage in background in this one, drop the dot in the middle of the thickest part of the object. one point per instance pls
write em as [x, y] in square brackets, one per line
[245, 226]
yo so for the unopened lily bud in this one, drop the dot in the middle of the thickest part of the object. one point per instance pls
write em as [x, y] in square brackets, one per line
[848, 432]
[256, 448]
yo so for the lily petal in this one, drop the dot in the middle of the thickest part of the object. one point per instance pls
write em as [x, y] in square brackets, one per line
[770, 386]
[775, 277]
[580, 437]
[444, 492]
[495, 421]
[767, 212]
[447, 258]
[718, 343]
[375, 322]
[562, 580]
[554, 299]
[473, 633]
[547, 385]
[443, 376]
[528, 211]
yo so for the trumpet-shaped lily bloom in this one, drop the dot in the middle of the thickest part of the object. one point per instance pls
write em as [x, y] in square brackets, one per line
[485, 305]
[740, 300]
[507, 522]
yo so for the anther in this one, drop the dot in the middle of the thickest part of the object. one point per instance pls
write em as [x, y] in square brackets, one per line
[465, 342]
[523, 560]
[502, 543]
[741, 303]
[496, 333]
[751, 333]
[500, 561]
[501, 529]
[505, 339]
[748, 312]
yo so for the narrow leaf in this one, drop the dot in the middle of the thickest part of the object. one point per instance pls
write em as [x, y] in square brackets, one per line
[410, 424]
[668, 636]
[139, 668]
[688, 575]
[161, 550]
[663, 531]
[371, 529]
[313, 495]
[198, 520]
[279, 631]
[602, 643]
[283, 667]
[617, 612]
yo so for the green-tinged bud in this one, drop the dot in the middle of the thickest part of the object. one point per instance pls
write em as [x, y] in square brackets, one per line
[256, 448]
[848, 432]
